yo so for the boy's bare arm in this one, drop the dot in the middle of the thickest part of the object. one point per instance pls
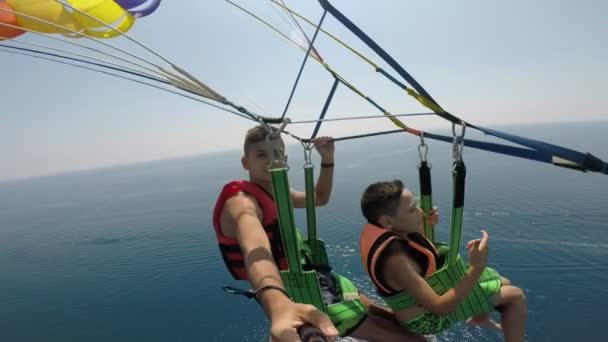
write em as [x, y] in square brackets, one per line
[324, 185]
[322, 190]
[376, 309]
[402, 274]
[241, 217]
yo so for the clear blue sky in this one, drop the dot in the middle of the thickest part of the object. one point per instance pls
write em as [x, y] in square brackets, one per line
[488, 62]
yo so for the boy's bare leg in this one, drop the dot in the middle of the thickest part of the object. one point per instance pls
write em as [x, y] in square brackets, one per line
[380, 329]
[484, 321]
[510, 301]
[381, 325]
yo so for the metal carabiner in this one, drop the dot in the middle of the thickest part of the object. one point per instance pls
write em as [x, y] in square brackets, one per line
[307, 153]
[458, 144]
[278, 153]
[423, 147]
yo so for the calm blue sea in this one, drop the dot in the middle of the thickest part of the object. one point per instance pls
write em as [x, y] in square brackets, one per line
[128, 253]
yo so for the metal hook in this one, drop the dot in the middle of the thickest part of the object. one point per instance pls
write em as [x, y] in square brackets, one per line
[423, 147]
[458, 145]
[278, 153]
[307, 153]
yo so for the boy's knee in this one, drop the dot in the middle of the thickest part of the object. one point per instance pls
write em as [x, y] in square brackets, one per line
[518, 294]
[517, 299]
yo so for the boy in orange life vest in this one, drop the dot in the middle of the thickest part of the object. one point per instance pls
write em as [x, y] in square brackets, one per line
[246, 226]
[400, 260]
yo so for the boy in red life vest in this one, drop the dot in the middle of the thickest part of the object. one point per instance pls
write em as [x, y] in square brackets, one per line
[247, 229]
[402, 264]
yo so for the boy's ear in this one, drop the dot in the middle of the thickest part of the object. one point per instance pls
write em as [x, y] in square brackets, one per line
[244, 162]
[385, 221]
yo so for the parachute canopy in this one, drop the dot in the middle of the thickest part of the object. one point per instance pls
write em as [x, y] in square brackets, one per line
[72, 18]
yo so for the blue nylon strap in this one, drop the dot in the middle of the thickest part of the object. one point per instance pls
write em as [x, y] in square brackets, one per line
[384, 55]
[367, 40]
[544, 152]
[496, 148]
[325, 108]
[551, 149]
[391, 78]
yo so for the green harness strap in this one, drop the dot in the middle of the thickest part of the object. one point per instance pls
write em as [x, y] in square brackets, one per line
[302, 286]
[459, 173]
[317, 247]
[426, 199]
[426, 190]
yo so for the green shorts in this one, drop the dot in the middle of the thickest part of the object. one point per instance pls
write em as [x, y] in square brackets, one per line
[343, 301]
[476, 303]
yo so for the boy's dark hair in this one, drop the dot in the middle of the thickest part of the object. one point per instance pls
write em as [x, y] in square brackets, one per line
[256, 135]
[381, 198]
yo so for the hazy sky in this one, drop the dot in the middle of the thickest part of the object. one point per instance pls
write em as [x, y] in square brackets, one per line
[488, 62]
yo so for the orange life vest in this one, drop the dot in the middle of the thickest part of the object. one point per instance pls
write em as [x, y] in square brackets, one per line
[373, 242]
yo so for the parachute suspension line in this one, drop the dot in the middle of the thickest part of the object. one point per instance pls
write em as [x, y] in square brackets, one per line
[310, 46]
[549, 153]
[183, 80]
[336, 39]
[282, 15]
[124, 34]
[297, 25]
[330, 70]
[274, 29]
[177, 80]
[426, 191]
[391, 117]
[593, 163]
[372, 44]
[420, 93]
[423, 99]
[198, 99]
[116, 66]
[459, 175]
[103, 63]
[353, 118]
[48, 35]
[367, 135]
[5, 48]
[75, 33]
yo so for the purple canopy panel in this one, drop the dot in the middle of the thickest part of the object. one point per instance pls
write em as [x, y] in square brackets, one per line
[139, 8]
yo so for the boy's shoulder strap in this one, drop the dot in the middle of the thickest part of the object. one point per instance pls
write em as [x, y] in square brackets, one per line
[262, 197]
[372, 243]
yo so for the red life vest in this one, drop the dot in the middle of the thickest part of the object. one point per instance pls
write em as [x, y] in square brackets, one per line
[229, 247]
[374, 241]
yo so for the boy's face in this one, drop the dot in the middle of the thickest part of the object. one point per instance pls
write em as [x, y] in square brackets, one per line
[257, 159]
[408, 217]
